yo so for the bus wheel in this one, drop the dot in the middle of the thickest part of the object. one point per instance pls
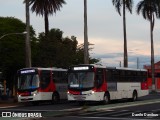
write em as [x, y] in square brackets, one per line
[134, 96]
[55, 98]
[106, 98]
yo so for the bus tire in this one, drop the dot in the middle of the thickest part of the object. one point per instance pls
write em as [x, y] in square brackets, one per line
[55, 98]
[106, 98]
[134, 96]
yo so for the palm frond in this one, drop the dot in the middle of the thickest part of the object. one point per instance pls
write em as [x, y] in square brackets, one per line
[46, 6]
[129, 5]
[148, 8]
[118, 5]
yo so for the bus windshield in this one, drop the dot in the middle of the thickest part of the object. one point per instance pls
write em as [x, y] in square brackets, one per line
[81, 80]
[28, 81]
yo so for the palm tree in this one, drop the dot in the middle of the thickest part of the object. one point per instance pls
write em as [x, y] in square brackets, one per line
[46, 8]
[27, 41]
[149, 9]
[86, 53]
[126, 4]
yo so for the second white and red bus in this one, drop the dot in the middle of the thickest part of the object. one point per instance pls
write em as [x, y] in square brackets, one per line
[100, 83]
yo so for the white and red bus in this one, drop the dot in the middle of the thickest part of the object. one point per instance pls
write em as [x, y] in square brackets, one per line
[41, 84]
[100, 83]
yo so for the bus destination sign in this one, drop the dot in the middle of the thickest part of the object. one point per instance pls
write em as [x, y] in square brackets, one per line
[27, 71]
[81, 68]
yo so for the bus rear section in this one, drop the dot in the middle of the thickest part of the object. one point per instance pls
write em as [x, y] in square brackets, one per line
[42, 84]
[99, 83]
[126, 83]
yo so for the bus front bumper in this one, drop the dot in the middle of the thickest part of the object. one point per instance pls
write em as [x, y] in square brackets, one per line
[29, 98]
[86, 96]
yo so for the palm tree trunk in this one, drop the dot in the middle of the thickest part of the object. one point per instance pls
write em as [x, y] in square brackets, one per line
[152, 54]
[86, 53]
[125, 36]
[46, 23]
[27, 41]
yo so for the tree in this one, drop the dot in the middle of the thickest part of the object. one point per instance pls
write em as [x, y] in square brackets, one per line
[148, 9]
[80, 55]
[12, 47]
[126, 4]
[56, 51]
[46, 8]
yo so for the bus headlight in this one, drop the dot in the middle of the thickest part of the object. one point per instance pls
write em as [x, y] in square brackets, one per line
[34, 94]
[93, 92]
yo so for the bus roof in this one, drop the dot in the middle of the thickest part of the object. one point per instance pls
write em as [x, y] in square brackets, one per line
[94, 65]
[102, 66]
[39, 68]
[123, 68]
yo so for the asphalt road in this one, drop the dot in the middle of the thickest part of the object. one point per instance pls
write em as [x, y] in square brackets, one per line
[141, 110]
[147, 107]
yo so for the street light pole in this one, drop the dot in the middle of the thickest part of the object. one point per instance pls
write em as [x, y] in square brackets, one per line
[13, 34]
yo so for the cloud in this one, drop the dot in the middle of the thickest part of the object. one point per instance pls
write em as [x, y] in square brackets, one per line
[105, 29]
[115, 59]
[108, 55]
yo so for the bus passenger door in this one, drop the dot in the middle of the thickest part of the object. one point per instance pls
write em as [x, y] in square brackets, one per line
[60, 80]
[46, 86]
[112, 78]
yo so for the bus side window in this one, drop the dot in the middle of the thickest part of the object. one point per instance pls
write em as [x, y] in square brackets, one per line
[55, 77]
[45, 79]
[64, 77]
[128, 76]
[116, 76]
[122, 76]
[144, 76]
[60, 77]
[112, 75]
[109, 75]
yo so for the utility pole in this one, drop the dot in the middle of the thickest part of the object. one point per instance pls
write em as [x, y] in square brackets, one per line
[119, 63]
[137, 63]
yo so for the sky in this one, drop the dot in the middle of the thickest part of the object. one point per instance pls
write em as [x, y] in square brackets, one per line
[105, 29]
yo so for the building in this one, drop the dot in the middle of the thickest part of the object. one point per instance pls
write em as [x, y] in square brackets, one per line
[157, 75]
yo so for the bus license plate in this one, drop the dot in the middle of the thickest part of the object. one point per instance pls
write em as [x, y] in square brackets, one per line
[80, 97]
